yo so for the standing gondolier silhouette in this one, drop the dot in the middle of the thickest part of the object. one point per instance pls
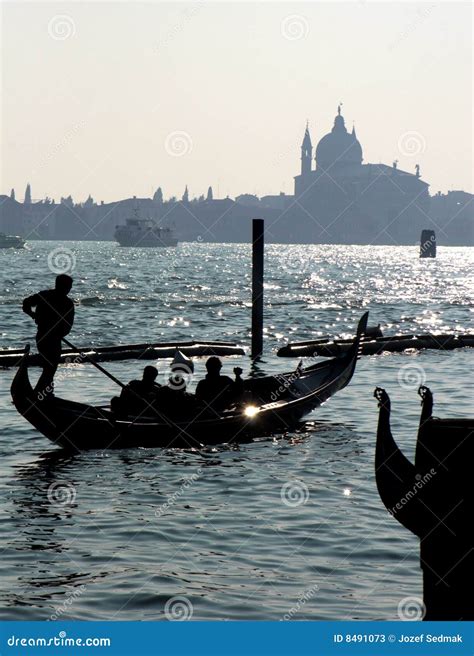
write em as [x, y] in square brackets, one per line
[53, 312]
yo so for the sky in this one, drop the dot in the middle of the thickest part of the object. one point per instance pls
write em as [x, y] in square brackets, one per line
[114, 99]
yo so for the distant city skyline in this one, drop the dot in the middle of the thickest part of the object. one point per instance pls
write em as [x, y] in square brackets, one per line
[116, 99]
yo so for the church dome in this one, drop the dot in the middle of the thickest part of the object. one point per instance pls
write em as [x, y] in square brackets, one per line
[339, 147]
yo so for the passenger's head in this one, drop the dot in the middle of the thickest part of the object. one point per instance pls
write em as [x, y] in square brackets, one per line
[63, 284]
[149, 374]
[213, 365]
[116, 404]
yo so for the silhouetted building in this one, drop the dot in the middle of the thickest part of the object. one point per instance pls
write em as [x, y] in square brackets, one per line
[338, 198]
[453, 215]
[11, 216]
[28, 194]
[250, 200]
[347, 201]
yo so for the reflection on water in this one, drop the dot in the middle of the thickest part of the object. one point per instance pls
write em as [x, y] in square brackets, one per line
[96, 521]
[244, 531]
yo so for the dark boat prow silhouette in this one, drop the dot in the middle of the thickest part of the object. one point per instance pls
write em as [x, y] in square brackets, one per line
[278, 404]
[433, 498]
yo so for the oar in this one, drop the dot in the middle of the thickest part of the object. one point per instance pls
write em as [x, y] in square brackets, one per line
[108, 374]
[89, 359]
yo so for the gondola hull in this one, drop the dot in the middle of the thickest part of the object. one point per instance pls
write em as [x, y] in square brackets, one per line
[280, 403]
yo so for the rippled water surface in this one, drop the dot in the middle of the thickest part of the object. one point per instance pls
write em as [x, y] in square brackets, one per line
[116, 535]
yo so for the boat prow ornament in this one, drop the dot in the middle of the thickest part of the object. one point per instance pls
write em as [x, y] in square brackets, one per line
[434, 499]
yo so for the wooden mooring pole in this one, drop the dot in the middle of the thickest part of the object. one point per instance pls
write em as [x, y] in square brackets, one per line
[428, 243]
[257, 287]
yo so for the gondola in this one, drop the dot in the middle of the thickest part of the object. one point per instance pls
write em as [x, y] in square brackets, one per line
[278, 404]
[434, 499]
[150, 351]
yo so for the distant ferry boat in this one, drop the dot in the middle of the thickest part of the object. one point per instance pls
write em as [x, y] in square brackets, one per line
[144, 232]
[11, 241]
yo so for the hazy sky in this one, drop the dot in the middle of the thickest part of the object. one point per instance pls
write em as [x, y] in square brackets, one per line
[117, 98]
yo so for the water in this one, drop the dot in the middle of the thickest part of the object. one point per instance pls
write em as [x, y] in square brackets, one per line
[116, 535]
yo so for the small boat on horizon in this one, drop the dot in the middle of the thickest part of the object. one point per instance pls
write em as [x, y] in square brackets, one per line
[278, 404]
[11, 241]
[144, 233]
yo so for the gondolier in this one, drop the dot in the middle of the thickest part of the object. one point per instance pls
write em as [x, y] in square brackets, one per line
[53, 312]
[278, 405]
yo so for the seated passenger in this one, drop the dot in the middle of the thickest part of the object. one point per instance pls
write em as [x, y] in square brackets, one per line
[138, 396]
[219, 391]
[173, 400]
[116, 406]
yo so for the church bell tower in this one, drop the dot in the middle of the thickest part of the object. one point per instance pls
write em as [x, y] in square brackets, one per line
[306, 153]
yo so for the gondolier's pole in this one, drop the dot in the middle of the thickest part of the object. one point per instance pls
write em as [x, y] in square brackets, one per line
[111, 376]
[257, 287]
[86, 357]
